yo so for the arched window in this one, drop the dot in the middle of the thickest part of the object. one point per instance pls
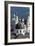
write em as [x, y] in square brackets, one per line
[20, 31]
[17, 31]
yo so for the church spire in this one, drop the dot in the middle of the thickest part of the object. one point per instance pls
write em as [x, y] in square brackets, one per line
[14, 14]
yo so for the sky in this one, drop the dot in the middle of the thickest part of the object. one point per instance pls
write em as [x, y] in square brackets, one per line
[20, 12]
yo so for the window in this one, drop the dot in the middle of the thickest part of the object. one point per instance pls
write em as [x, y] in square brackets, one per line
[17, 31]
